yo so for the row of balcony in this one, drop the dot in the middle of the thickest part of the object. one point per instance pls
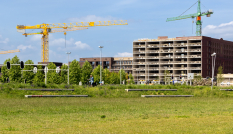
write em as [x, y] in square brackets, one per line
[168, 68]
[165, 62]
[168, 57]
[162, 74]
[167, 45]
[167, 51]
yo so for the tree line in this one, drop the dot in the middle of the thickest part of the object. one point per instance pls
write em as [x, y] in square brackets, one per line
[76, 73]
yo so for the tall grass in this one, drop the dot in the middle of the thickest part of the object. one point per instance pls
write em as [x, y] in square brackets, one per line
[111, 91]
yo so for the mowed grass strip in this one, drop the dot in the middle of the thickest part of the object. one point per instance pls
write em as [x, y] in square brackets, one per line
[116, 115]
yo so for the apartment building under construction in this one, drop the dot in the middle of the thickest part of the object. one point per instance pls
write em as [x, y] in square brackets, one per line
[155, 59]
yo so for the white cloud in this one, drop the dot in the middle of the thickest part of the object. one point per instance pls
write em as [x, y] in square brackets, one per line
[80, 45]
[22, 47]
[223, 30]
[124, 54]
[4, 41]
[90, 18]
[61, 42]
[36, 37]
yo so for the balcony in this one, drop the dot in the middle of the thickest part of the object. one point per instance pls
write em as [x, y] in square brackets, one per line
[194, 50]
[194, 62]
[139, 63]
[152, 74]
[180, 50]
[167, 45]
[166, 68]
[152, 46]
[181, 56]
[180, 62]
[139, 52]
[152, 57]
[180, 68]
[139, 46]
[166, 51]
[141, 57]
[194, 44]
[166, 57]
[180, 44]
[195, 56]
[152, 68]
[122, 69]
[194, 68]
[139, 74]
[152, 51]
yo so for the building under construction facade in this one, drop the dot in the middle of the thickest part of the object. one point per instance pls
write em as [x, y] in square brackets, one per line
[155, 59]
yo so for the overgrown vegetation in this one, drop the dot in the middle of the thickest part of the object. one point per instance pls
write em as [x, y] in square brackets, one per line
[110, 91]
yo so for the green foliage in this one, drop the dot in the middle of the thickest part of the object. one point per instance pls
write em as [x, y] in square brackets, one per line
[5, 71]
[131, 81]
[52, 76]
[39, 76]
[64, 76]
[86, 72]
[114, 78]
[15, 71]
[106, 76]
[96, 74]
[74, 72]
[220, 74]
[28, 75]
[122, 76]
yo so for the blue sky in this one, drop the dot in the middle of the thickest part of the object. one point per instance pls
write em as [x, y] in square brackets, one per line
[146, 19]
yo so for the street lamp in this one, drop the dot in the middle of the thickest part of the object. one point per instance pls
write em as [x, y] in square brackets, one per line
[68, 66]
[213, 66]
[120, 70]
[100, 64]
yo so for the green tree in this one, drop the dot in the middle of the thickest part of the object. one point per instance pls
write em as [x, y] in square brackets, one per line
[64, 73]
[52, 76]
[96, 74]
[74, 72]
[220, 74]
[131, 79]
[106, 76]
[86, 72]
[28, 75]
[39, 76]
[5, 71]
[114, 78]
[15, 71]
[123, 75]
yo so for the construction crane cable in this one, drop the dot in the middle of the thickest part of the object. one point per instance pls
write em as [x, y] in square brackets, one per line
[203, 6]
[188, 9]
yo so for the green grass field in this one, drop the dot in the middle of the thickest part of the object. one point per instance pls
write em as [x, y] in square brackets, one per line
[110, 109]
[116, 115]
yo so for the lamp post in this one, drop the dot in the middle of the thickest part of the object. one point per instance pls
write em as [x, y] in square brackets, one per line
[100, 64]
[68, 67]
[213, 66]
[120, 70]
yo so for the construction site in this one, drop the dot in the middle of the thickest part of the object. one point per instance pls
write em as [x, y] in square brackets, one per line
[153, 60]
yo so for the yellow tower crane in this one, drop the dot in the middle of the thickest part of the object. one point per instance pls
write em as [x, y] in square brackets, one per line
[47, 28]
[9, 51]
